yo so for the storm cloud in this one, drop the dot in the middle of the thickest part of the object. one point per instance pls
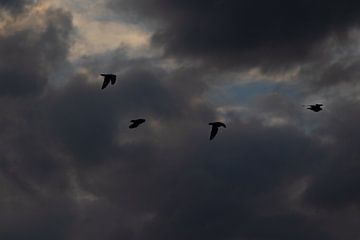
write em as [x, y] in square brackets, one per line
[31, 53]
[269, 34]
[70, 167]
[14, 6]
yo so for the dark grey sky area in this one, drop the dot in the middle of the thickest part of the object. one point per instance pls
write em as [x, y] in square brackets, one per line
[71, 169]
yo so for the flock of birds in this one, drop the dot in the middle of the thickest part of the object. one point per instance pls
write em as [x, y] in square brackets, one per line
[111, 78]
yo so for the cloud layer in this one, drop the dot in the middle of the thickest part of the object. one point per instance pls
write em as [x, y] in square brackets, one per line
[71, 169]
[234, 33]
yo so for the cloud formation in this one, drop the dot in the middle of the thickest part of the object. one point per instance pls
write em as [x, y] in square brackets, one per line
[32, 52]
[269, 34]
[71, 168]
[15, 6]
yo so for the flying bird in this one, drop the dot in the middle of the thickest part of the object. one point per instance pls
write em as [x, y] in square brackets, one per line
[136, 122]
[215, 128]
[315, 107]
[107, 79]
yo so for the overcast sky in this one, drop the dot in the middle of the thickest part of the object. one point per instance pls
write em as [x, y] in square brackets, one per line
[71, 169]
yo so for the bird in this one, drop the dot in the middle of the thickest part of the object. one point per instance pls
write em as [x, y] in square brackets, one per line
[315, 107]
[107, 79]
[136, 122]
[215, 128]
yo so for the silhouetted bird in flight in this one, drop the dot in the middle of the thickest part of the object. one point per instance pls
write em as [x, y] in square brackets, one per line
[136, 122]
[215, 128]
[315, 107]
[107, 79]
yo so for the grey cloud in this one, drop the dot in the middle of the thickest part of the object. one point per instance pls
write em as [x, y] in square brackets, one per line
[334, 187]
[161, 183]
[269, 34]
[328, 74]
[71, 168]
[164, 183]
[15, 6]
[30, 55]
[211, 191]
[35, 192]
[85, 118]
[35, 217]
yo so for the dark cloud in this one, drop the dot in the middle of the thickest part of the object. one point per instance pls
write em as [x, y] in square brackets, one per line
[244, 33]
[85, 118]
[31, 54]
[15, 6]
[211, 191]
[334, 71]
[165, 181]
[72, 169]
[36, 218]
[35, 192]
[334, 187]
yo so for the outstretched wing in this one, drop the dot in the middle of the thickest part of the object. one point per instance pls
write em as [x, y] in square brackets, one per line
[106, 82]
[213, 133]
[141, 120]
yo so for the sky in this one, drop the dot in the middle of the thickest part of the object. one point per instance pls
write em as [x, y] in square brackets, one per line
[71, 169]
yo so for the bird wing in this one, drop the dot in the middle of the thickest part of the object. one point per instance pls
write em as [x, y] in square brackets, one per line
[214, 131]
[106, 82]
[113, 79]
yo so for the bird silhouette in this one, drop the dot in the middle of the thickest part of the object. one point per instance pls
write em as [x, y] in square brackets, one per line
[107, 79]
[136, 122]
[315, 107]
[215, 128]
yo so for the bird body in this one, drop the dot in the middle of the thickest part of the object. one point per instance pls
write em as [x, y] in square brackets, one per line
[107, 79]
[136, 122]
[315, 107]
[215, 128]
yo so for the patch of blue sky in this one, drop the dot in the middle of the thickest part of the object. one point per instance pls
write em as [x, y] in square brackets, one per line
[243, 93]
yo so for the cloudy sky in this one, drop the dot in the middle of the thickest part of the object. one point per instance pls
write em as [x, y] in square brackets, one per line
[71, 169]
